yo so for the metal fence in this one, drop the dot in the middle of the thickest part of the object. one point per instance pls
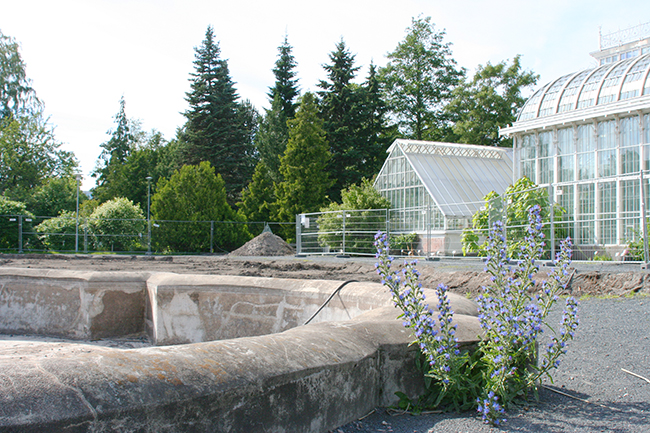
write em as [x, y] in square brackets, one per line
[595, 234]
[21, 233]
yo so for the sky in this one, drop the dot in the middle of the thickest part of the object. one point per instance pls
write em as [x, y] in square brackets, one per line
[82, 56]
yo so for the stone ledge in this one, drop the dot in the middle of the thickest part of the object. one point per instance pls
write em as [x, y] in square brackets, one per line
[307, 379]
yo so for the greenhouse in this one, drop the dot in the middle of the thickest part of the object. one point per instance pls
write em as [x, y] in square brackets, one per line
[586, 136]
[435, 188]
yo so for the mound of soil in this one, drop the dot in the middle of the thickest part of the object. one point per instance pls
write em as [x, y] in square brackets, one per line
[266, 244]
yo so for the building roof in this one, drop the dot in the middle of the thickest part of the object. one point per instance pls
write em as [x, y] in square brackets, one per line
[458, 176]
[606, 84]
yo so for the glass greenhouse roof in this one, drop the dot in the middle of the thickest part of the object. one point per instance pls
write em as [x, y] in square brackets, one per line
[458, 176]
[611, 82]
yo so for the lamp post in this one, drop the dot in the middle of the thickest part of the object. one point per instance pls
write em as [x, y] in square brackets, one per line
[149, 178]
[77, 176]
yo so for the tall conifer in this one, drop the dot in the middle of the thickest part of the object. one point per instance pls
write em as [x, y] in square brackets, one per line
[216, 128]
[303, 166]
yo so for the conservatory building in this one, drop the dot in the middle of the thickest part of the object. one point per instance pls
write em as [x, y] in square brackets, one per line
[435, 188]
[586, 136]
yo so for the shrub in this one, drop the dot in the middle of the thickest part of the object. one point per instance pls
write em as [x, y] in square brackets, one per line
[10, 209]
[117, 225]
[58, 234]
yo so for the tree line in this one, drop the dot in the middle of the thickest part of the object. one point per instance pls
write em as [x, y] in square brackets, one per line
[296, 157]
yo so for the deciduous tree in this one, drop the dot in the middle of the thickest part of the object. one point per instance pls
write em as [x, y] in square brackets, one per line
[488, 102]
[17, 97]
[419, 79]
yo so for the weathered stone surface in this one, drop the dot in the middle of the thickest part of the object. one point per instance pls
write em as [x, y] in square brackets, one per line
[307, 379]
[353, 357]
[71, 304]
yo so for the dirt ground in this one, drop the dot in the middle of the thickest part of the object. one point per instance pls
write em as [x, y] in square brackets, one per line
[462, 276]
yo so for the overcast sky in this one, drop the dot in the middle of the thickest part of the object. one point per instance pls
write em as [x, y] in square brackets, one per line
[83, 55]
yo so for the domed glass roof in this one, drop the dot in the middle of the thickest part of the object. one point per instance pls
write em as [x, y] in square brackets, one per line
[605, 84]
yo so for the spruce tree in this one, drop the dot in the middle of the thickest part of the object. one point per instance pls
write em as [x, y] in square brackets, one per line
[114, 155]
[304, 164]
[271, 140]
[216, 130]
[286, 84]
[374, 136]
[340, 101]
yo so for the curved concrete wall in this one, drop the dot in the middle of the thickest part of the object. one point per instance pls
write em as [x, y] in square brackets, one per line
[172, 308]
[305, 379]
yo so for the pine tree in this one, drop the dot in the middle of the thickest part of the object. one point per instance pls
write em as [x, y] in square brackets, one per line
[304, 164]
[339, 108]
[216, 130]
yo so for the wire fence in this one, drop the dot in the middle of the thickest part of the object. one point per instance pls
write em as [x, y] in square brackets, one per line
[598, 230]
[23, 233]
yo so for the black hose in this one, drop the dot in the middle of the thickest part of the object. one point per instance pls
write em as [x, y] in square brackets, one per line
[329, 299]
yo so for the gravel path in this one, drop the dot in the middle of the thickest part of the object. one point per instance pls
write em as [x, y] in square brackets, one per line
[614, 334]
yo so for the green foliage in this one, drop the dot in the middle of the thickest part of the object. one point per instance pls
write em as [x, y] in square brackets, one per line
[602, 256]
[285, 89]
[55, 196]
[10, 209]
[489, 102]
[117, 225]
[339, 100]
[59, 233]
[218, 127]
[258, 198]
[504, 367]
[513, 208]
[271, 139]
[635, 247]
[354, 121]
[418, 82]
[303, 165]
[183, 207]
[364, 199]
[30, 156]
[403, 242]
[151, 156]
[17, 97]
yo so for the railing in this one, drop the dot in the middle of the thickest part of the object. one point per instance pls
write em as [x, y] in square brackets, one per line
[22, 233]
[595, 235]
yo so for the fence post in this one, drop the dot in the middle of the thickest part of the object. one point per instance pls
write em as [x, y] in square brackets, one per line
[86, 235]
[298, 235]
[343, 248]
[551, 201]
[643, 221]
[387, 223]
[20, 234]
[428, 222]
[211, 236]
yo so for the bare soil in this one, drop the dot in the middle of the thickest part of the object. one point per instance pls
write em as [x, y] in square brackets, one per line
[462, 276]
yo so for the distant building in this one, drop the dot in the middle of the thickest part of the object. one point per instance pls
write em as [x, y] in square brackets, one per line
[435, 188]
[587, 135]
